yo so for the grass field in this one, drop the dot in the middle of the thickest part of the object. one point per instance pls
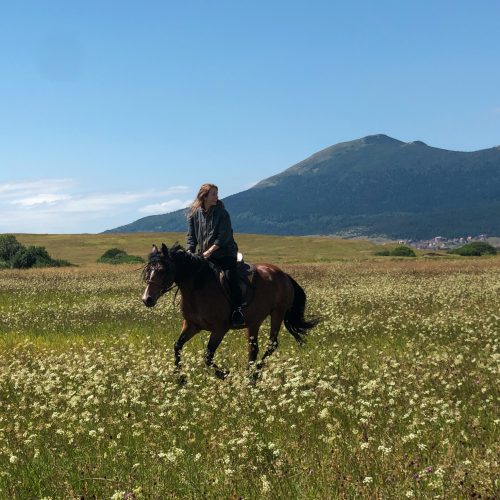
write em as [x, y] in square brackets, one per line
[85, 249]
[394, 396]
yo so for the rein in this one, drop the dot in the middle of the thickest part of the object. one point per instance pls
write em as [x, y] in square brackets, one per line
[163, 290]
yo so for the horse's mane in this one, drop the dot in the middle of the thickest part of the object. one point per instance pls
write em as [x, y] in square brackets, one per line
[187, 264]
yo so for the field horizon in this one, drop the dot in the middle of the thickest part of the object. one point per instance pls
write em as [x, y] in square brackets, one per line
[83, 249]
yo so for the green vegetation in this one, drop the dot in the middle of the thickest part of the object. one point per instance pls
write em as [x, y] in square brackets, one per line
[9, 246]
[15, 255]
[475, 249]
[393, 396]
[397, 251]
[402, 251]
[117, 256]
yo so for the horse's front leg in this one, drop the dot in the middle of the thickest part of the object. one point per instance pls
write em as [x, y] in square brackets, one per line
[188, 332]
[213, 342]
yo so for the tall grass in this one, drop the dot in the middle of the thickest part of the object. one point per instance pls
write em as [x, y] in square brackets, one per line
[394, 396]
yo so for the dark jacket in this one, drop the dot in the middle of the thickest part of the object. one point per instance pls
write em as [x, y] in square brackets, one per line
[211, 228]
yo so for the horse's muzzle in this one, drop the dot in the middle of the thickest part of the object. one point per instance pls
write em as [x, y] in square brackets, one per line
[149, 301]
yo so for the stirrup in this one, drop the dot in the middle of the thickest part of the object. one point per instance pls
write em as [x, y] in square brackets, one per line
[237, 318]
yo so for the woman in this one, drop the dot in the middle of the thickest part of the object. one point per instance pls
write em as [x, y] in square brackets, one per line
[209, 228]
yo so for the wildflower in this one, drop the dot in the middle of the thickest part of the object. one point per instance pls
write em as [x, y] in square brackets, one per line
[324, 413]
[13, 459]
[384, 449]
[368, 480]
[266, 486]
[439, 472]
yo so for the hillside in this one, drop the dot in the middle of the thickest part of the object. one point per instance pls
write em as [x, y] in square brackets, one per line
[375, 186]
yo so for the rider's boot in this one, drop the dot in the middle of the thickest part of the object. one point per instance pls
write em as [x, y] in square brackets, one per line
[237, 318]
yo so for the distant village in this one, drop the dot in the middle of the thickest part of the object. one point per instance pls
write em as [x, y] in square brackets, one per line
[442, 243]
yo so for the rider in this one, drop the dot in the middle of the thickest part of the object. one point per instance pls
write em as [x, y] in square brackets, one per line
[209, 228]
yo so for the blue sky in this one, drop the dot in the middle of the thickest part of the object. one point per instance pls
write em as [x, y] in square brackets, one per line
[110, 111]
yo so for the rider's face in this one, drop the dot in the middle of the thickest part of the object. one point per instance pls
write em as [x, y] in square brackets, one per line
[211, 198]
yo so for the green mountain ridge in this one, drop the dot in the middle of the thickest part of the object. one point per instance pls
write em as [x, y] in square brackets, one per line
[374, 186]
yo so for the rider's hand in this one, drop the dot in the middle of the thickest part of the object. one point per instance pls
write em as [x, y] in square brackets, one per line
[207, 254]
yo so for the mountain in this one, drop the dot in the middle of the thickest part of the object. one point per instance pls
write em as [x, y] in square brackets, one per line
[374, 186]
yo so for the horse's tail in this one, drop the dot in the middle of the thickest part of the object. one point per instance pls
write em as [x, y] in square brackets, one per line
[294, 321]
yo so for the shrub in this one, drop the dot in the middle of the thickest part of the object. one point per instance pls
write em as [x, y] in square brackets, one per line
[9, 246]
[382, 253]
[402, 251]
[25, 257]
[475, 249]
[118, 256]
[43, 259]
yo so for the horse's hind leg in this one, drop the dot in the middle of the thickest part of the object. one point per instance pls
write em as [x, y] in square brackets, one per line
[276, 320]
[188, 332]
[252, 334]
[213, 342]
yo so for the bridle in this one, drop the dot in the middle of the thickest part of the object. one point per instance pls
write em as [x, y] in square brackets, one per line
[149, 281]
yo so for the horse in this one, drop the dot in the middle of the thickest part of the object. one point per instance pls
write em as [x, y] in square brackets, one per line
[205, 305]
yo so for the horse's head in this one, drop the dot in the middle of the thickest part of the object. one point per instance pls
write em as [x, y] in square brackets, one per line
[158, 274]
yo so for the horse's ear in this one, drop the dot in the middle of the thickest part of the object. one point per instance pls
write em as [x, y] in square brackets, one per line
[164, 249]
[154, 249]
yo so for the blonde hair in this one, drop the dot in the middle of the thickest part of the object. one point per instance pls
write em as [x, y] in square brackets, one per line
[200, 197]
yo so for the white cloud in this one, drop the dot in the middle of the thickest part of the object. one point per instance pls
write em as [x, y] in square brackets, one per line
[40, 199]
[55, 205]
[164, 207]
[10, 189]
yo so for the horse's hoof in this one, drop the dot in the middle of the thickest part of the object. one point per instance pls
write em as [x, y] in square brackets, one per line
[181, 377]
[221, 374]
[253, 377]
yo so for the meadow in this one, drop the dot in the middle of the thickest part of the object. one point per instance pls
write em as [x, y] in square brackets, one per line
[394, 395]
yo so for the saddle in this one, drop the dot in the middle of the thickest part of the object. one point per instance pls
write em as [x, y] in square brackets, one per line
[246, 274]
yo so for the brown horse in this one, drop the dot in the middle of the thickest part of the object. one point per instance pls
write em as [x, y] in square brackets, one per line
[205, 305]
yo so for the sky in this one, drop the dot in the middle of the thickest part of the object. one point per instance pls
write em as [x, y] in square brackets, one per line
[111, 111]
